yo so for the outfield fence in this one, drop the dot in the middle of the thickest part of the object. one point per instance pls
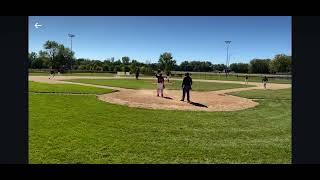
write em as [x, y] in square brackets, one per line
[180, 74]
[69, 71]
[208, 75]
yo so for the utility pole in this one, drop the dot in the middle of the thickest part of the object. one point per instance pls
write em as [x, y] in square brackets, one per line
[227, 61]
[71, 36]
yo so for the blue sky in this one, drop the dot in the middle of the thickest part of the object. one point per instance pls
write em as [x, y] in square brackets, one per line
[146, 37]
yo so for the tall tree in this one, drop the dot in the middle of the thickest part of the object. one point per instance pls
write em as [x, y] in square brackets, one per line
[31, 58]
[64, 57]
[52, 50]
[239, 67]
[44, 56]
[280, 63]
[259, 66]
[133, 66]
[218, 67]
[125, 60]
[60, 57]
[166, 62]
[125, 64]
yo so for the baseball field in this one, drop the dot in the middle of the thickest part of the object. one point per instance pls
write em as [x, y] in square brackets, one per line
[105, 120]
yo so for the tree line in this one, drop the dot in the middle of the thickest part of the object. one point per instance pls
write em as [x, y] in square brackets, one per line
[56, 56]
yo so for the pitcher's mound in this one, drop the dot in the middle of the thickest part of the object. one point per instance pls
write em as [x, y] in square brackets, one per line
[200, 101]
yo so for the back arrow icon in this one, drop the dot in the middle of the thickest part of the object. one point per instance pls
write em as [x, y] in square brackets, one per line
[37, 25]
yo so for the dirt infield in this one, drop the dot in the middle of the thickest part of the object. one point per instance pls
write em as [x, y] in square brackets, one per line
[201, 101]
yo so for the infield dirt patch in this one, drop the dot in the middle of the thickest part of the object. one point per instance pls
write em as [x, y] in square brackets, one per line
[201, 101]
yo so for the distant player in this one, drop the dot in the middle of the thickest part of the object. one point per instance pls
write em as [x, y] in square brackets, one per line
[52, 74]
[160, 84]
[168, 75]
[264, 81]
[137, 73]
[246, 79]
[186, 87]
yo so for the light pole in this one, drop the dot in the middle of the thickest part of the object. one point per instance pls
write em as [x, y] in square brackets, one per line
[227, 62]
[71, 36]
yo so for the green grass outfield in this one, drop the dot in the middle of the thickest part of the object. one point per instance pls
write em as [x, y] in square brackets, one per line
[222, 77]
[284, 94]
[151, 84]
[72, 74]
[81, 129]
[65, 88]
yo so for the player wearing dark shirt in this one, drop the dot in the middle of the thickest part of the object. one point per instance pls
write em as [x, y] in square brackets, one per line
[246, 79]
[264, 81]
[137, 73]
[52, 74]
[186, 87]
